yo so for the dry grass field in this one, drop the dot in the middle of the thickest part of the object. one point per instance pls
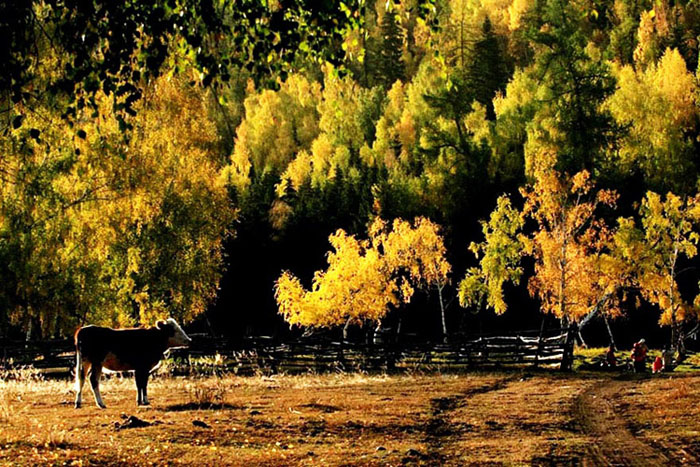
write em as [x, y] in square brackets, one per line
[509, 418]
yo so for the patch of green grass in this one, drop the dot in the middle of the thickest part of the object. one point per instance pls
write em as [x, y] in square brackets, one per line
[691, 364]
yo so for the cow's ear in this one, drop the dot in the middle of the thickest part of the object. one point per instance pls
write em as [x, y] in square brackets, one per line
[161, 324]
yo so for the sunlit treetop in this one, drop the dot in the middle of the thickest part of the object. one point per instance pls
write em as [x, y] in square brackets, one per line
[657, 107]
[366, 278]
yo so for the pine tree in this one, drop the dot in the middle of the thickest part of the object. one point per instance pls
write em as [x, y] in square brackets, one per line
[390, 65]
[487, 72]
[576, 85]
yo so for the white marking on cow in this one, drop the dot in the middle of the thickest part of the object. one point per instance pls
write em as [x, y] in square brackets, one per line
[180, 339]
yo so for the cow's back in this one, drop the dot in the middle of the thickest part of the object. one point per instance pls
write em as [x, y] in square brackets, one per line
[133, 348]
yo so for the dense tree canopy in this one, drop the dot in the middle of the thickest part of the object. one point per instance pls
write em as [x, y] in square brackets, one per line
[176, 157]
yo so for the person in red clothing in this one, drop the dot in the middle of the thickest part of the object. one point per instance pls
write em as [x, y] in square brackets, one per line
[610, 359]
[639, 356]
[657, 366]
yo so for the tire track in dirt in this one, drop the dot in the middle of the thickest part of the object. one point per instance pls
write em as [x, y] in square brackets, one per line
[613, 443]
[440, 432]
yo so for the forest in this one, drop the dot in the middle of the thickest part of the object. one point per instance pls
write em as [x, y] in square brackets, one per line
[272, 167]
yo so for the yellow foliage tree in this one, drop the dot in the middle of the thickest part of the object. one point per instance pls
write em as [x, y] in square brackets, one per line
[343, 110]
[97, 227]
[567, 245]
[574, 273]
[277, 125]
[658, 106]
[365, 278]
[178, 214]
[655, 248]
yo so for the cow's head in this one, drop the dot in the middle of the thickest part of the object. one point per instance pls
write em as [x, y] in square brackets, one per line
[176, 336]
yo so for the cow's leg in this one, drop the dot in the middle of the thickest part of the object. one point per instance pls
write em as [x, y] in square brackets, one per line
[95, 373]
[137, 380]
[141, 384]
[144, 391]
[81, 369]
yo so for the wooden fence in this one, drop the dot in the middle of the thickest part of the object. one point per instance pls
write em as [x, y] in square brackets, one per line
[49, 355]
[303, 355]
[266, 355]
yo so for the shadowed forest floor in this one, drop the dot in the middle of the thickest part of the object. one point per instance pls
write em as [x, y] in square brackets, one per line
[475, 418]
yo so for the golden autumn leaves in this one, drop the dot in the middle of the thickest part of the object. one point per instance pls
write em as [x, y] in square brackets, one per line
[582, 265]
[568, 245]
[656, 248]
[108, 229]
[365, 278]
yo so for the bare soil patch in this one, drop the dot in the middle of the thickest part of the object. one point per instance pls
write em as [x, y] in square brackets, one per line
[493, 422]
[664, 412]
[467, 419]
[441, 430]
[613, 442]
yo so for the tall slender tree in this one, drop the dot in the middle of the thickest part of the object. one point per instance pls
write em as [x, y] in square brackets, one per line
[390, 66]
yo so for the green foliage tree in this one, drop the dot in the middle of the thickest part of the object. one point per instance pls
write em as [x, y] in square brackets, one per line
[500, 255]
[112, 47]
[575, 82]
[623, 36]
[390, 67]
[489, 73]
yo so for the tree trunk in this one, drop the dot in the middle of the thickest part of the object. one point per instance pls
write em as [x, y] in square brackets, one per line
[676, 339]
[567, 360]
[564, 323]
[368, 331]
[610, 333]
[211, 329]
[57, 327]
[580, 338]
[345, 329]
[442, 313]
[29, 332]
[681, 343]
[588, 317]
[540, 341]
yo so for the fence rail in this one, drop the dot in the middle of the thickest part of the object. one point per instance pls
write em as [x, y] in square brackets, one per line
[209, 354]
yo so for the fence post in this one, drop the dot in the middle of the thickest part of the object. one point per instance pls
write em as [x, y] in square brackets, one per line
[540, 341]
[567, 360]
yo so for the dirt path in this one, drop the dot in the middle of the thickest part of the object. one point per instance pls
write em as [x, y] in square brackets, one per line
[440, 432]
[614, 444]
